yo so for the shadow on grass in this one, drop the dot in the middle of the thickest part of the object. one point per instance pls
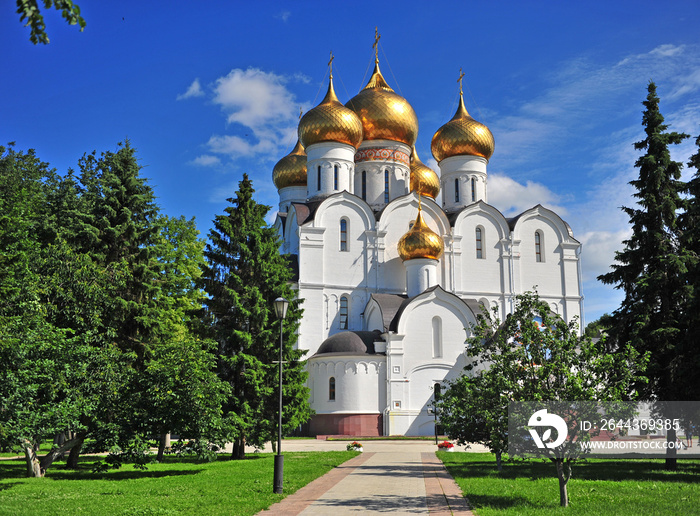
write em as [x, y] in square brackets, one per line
[18, 469]
[584, 470]
[466, 468]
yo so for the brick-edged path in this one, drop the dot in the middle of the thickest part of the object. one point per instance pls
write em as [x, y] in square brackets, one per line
[396, 478]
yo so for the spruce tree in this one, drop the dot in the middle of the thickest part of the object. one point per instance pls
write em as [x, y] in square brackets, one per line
[688, 357]
[119, 230]
[244, 275]
[651, 269]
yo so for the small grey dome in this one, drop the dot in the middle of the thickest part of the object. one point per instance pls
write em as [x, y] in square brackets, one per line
[350, 343]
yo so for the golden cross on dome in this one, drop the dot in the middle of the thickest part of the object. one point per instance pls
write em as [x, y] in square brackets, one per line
[375, 46]
[330, 63]
[461, 76]
[301, 111]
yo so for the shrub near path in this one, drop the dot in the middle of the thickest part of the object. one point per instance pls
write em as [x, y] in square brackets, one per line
[599, 487]
[179, 486]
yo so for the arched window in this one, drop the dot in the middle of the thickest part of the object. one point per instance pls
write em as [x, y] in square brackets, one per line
[456, 190]
[343, 313]
[538, 247]
[343, 234]
[437, 337]
[331, 388]
[437, 391]
[386, 186]
[335, 177]
[364, 185]
[318, 178]
[479, 244]
[473, 189]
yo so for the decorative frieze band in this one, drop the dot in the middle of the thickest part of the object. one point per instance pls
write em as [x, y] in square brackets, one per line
[378, 153]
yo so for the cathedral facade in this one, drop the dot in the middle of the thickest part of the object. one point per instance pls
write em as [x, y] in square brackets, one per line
[392, 281]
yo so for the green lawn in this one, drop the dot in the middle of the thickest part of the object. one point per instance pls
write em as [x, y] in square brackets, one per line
[597, 487]
[174, 487]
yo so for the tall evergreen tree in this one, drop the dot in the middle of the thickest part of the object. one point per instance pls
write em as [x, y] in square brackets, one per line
[119, 230]
[244, 275]
[688, 357]
[651, 269]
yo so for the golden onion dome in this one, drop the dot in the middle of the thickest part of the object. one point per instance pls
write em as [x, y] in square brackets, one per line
[462, 136]
[385, 114]
[420, 242]
[291, 170]
[424, 180]
[330, 121]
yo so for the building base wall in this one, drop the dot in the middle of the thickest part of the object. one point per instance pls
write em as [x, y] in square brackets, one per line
[366, 425]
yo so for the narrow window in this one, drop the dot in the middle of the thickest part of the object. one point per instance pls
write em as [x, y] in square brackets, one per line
[335, 177]
[437, 391]
[386, 186]
[343, 235]
[479, 244]
[437, 337]
[331, 388]
[538, 246]
[364, 185]
[456, 190]
[318, 179]
[343, 313]
[473, 189]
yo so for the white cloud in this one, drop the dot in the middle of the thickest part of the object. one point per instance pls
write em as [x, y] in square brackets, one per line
[206, 160]
[195, 90]
[254, 98]
[667, 50]
[599, 249]
[583, 96]
[262, 110]
[236, 146]
[512, 198]
[283, 15]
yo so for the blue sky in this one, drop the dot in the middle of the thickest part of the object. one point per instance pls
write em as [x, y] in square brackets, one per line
[206, 91]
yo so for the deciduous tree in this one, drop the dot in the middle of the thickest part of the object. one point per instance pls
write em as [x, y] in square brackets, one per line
[531, 356]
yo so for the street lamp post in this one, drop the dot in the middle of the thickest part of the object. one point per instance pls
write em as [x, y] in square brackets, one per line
[281, 305]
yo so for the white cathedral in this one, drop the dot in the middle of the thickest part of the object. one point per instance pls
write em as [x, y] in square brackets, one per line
[391, 280]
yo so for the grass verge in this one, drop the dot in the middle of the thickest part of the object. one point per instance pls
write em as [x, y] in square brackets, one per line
[597, 487]
[176, 486]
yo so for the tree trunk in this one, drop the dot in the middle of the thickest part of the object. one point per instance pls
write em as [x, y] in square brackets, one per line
[671, 452]
[72, 462]
[499, 465]
[59, 439]
[163, 443]
[37, 468]
[563, 473]
[33, 464]
[238, 449]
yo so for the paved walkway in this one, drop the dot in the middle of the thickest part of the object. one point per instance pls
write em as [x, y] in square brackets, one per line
[396, 477]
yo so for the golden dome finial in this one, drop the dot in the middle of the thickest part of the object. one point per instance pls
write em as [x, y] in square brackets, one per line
[461, 76]
[330, 121]
[420, 241]
[291, 170]
[330, 63]
[424, 180]
[385, 114]
[375, 46]
[462, 135]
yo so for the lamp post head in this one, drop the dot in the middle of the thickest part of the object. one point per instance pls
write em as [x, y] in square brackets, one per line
[281, 305]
